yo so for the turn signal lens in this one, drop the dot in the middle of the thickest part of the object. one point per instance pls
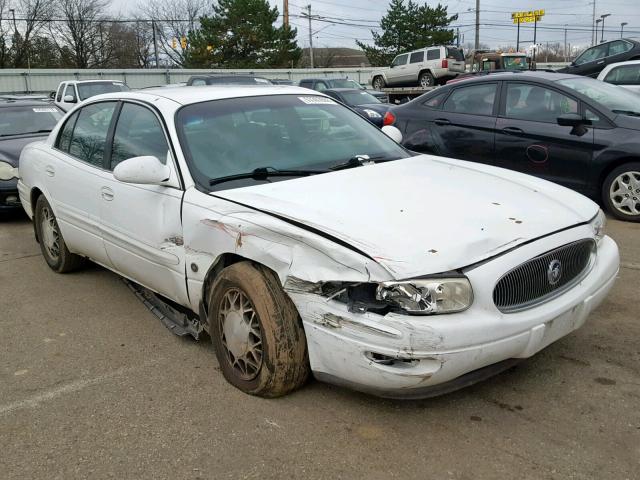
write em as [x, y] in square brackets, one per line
[389, 119]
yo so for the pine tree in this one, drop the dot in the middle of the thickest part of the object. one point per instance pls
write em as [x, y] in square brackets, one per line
[408, 26]
[241, 34]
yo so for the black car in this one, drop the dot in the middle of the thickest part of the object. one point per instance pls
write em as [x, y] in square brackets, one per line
[365, 104]
[214, 79]
[575, 131]
[21, 122]
[593, 60]
[322, 84]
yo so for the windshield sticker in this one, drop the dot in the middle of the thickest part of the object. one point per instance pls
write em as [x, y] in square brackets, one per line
[46, 110]
[317, 101]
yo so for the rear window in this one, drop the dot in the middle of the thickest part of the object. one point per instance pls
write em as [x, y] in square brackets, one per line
[624, 75]
[20, 120]
[454, 54]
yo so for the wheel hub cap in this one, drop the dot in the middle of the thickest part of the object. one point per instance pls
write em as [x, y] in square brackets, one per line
[50, 235]
[623, 193]
[241, 334]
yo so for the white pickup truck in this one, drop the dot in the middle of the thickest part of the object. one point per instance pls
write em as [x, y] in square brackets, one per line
[72, 92]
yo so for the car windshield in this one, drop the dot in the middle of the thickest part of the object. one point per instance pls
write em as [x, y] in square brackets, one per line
[515, 63]
[358, 98]
[88, 90]
[18, 120]
[344, 83]
[611, 96]
[281, 132]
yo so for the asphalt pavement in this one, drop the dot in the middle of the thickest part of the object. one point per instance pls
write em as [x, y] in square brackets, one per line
[92, 385]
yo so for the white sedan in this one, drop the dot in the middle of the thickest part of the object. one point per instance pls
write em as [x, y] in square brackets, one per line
[303, 239]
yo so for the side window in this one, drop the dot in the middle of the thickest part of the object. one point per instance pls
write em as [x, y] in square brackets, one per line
[320, 86]
[592, 116]
[90, 133]
[71, 91]
[538, 104]
[400, 60]
[624, 75]
[64, 138]
[138, 133]
[618, 47]
[417, 57]
[433, 54]
[59, 94]
[198, 81]
[476, 99]
[592, 54]
[435, 101]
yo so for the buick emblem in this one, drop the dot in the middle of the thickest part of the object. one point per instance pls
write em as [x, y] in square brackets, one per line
[554, 272]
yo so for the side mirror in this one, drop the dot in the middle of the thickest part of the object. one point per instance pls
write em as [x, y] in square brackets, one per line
[69, 99]
[393, 133]
[52, 95]
[143, 170]
[572, 120]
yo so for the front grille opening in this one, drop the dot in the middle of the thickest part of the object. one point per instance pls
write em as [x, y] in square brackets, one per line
[543, 277]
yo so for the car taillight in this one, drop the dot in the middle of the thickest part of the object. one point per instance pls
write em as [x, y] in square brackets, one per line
[389, 119]
[445, 63]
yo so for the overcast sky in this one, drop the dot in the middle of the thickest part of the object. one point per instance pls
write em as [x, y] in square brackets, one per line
[576, 15]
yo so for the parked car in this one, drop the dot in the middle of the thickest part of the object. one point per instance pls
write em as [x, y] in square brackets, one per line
[591, 62]
[302, 238]
[362, 102]
[322, 84]
[425, 68]
[576, 131]
[72, 92]
[21, 122]
[215, 79]
[623, 74]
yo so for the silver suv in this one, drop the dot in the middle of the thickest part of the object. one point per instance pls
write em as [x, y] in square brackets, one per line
[425, 68]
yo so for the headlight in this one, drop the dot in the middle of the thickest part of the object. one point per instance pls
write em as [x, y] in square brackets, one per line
[427, 296]
[598, 224]
[372, 113]
[8, 171]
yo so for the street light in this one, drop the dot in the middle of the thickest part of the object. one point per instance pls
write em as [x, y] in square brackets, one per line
[603, 17]
[622, 28]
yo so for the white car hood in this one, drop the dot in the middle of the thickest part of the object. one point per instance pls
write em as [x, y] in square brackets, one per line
[424, 214]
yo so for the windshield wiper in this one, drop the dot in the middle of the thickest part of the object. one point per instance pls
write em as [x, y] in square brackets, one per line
[359, 161]
[627, 112]
[263, 173]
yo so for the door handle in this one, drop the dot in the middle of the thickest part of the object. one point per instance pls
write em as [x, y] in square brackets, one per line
[512, 130]
[49, 170]
[107, 193]
[442, 121]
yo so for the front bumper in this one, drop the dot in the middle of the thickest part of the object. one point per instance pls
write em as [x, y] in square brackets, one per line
[9, 198]
[432, 355]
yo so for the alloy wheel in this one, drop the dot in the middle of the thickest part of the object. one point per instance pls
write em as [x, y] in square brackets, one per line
[625, 193]
[241, 335]
[50, 233]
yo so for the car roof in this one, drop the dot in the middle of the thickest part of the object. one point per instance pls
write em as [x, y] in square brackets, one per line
[196, 94]
[103, 80]
[513, 75]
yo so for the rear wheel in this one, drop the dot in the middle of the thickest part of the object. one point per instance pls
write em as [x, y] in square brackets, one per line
[54, 250]
[378, 83]
[426, 80]
[256, 332]
[621, 192]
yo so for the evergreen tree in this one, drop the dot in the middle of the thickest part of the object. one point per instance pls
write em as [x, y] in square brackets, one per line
[408, 26]
[241, 34]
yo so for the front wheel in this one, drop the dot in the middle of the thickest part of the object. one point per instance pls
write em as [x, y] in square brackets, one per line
[426, 80]
[378, 83]
[54, 249]
[621, 192]
[256, 332]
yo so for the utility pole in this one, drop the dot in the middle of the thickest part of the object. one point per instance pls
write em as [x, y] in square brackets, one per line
[458, 37]
[477, 24]
[285, 12]
[310, 36]
[518, 37]
[594, 32]
[622, 28]
[564, 49]
[603, 17]
[155, 42]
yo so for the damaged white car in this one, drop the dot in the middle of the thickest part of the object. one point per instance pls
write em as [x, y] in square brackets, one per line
[303, 239]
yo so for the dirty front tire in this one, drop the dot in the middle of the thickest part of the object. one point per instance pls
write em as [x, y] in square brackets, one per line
[256, 332]
[426, 80]
[54, 249]
[378, 83]
[621, 192]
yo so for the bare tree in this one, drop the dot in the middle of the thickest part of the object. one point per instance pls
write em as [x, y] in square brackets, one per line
[82, 33]
[33, 16]
[4, 35]
[174, 19]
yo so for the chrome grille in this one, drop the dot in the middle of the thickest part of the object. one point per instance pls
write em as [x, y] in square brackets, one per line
[543, 277]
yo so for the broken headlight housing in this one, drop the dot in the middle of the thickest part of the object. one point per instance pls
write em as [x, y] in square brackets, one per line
[598, 224]
[427, 296]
